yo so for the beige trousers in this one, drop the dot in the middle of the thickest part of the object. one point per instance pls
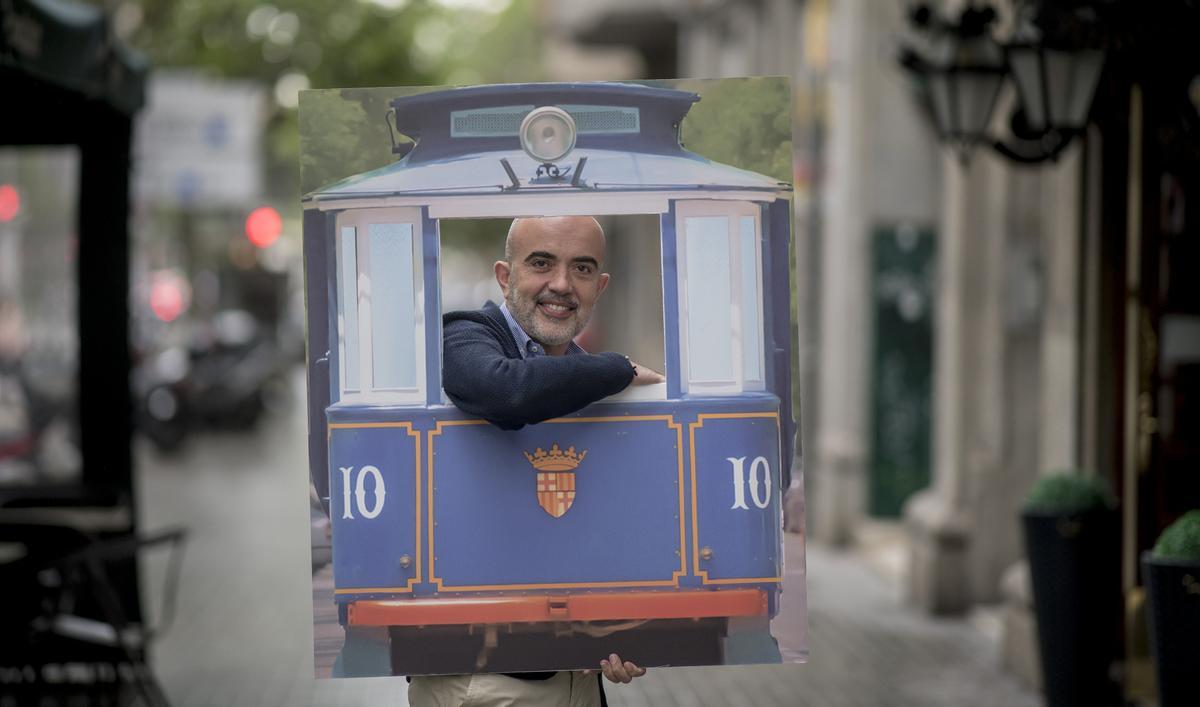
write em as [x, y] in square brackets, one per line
[566, 689]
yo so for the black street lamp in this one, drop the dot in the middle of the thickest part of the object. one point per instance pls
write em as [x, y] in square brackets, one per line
[961, 78]
[1055, 73]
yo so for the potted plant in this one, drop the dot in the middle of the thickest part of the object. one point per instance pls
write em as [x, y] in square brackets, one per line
[1072, 540]
[1172, 575]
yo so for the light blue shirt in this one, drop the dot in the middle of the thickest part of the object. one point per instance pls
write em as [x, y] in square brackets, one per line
[530, 348]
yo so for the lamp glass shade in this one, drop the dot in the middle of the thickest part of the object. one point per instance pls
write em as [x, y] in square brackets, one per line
[1025, 63]
[976, 98]
[941, 98]
[1071, 79]
[548, 134]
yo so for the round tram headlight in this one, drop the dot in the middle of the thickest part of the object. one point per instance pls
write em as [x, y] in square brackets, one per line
[548, 134]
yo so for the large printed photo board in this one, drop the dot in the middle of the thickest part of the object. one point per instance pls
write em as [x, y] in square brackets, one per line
[524, 530]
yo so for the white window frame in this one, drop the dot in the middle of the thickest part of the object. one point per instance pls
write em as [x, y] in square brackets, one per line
[733, 211]
[361, 220]
[639, 205]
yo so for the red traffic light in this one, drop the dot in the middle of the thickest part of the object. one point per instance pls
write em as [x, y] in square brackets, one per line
[263, 226]
[169, 295]
[10, 203]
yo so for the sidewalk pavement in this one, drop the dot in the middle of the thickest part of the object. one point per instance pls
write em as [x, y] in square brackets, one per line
[867, 649]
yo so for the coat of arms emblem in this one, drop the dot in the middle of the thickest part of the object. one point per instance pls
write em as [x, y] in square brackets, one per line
[555, 477]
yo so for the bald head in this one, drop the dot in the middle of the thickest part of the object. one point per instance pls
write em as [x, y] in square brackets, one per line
[551, 276]
[523, 231]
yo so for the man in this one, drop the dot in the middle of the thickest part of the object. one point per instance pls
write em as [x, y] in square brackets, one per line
[518, 364]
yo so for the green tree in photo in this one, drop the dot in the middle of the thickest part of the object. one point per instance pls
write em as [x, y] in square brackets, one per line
[745, 123]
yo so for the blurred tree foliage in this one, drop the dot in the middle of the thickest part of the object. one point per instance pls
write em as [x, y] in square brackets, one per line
[746, 123]
[342, 132]
[318, 43]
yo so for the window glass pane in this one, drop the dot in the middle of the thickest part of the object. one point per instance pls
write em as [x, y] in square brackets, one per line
[39, 330]
[348, 306]
[710, 357]
[393, 306]
[751, 316]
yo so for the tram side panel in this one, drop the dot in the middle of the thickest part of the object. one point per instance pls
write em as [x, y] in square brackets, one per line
[375, 507]
[735, 478]
[660, 498]
[589, 503]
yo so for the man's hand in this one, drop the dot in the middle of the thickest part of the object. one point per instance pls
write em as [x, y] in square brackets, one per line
[644, 375]
[616, 671]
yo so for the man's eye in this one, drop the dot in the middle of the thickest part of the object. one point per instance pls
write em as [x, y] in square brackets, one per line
[539, 263]
[583, 269]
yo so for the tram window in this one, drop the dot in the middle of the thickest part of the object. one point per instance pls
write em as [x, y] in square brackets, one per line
[39, 334]
[629, 315]
[393, 359]
[379, 310]
[751, 296]
[720, 281]
[348, 308]
[707, 246]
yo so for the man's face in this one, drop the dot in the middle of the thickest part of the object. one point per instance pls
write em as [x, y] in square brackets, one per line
[552, 278]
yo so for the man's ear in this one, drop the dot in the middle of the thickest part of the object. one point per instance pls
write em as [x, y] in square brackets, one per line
[502, 270]
[603, 283]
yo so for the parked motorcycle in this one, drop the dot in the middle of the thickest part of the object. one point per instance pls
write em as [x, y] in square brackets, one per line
[225, 378]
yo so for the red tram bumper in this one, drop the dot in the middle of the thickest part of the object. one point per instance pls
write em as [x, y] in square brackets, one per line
[558, 607]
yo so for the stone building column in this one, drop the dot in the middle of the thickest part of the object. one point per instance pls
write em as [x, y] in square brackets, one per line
[968, 383]
[1005, 371]
[836, 469]
[1062, 224]
[880, 171]
[1058, 398]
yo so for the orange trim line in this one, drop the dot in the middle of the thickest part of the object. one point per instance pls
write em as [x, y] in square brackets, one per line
[673, 583]
[692, 427]
[566, 607]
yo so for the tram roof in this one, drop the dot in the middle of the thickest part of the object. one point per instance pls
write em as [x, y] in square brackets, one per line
[462, 135]
[604, 171]
[473, 119]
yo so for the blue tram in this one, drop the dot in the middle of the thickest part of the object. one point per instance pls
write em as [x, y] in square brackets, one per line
[648, 523]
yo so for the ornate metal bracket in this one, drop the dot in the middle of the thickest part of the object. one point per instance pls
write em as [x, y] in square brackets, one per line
[397, 149]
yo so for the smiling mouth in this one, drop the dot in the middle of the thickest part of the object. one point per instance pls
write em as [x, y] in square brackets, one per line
[556, 310]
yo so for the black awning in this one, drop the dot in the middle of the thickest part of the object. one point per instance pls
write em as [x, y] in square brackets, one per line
[71, 45]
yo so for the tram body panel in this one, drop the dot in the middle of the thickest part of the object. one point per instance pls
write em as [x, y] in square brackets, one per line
[735, 478]
[440, 505]
[612, 520]
[374, 506]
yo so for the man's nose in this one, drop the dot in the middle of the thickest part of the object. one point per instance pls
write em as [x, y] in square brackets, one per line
[559, 282]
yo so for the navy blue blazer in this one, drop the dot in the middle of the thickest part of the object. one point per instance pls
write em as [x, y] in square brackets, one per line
[484, 374]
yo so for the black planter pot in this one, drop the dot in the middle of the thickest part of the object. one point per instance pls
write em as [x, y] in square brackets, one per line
[1075, 567]
[1174, 591]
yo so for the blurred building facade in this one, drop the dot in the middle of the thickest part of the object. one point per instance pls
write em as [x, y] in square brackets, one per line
[1047, 301]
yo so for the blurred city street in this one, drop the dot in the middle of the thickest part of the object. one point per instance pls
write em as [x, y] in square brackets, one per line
[242, 634]
[953, 240]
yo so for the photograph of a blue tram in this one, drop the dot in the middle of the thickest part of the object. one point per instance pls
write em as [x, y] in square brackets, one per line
[661, 539]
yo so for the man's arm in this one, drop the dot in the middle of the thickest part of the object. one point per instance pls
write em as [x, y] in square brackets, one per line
[511, 393]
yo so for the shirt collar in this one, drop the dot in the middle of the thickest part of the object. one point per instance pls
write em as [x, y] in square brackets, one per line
[528, 347]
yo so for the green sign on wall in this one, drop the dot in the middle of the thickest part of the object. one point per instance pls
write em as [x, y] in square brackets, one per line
[903, 265]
